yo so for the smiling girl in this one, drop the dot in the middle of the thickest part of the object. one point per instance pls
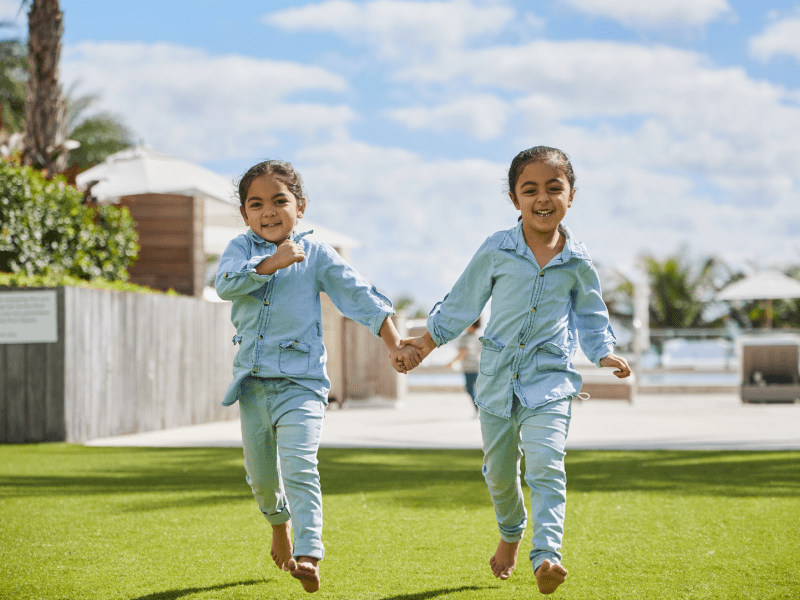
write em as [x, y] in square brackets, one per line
[274, 277]
[544, 292]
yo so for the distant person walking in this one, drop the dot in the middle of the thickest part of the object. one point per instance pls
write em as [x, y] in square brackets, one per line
[546, 299]
[469, 354]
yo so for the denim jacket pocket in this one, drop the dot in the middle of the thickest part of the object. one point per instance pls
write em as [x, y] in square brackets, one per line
[294, 357]
[550, 357]
[490, 353]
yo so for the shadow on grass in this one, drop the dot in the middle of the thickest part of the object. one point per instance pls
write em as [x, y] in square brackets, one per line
[435, 593]
[175, 594]
[429, 478]
[686, 473]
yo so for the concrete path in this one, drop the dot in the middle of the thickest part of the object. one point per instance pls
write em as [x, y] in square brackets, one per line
[447, 420]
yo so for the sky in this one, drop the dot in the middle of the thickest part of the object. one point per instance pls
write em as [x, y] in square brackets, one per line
[681, 117]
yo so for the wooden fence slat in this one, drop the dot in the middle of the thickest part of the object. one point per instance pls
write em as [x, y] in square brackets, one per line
[54, 429]
[3, 406]
[35, 414]
[15, 393]
[69, 359]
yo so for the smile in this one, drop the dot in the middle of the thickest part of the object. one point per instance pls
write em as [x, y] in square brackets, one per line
[544, 213]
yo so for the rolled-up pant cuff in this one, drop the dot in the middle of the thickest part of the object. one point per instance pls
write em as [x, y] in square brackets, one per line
[538, 558]
[278, 518]
[317, 552]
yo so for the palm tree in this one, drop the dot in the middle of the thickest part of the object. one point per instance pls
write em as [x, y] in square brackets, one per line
[13, 73]
[43, 144]
[100, 133]
[681, 289]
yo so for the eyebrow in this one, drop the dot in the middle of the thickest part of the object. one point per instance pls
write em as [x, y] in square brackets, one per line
[278, 195]
[554, 180]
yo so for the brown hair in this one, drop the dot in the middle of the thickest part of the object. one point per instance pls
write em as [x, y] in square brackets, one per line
[551, 156]
[282, 171]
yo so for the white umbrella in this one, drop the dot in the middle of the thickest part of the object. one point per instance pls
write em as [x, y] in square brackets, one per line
[766, 285]
[142, 170]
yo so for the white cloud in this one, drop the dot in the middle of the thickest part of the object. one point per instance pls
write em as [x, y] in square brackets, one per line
[655, 13]
[184, 101]
[9, 9]
[397, 27]
[708, 119]
[781, 37]
[482, 116]
[419, 221]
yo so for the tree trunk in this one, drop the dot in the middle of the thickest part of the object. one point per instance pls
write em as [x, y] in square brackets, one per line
[44, 106]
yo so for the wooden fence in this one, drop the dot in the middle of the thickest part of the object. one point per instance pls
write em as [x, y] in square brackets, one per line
[128, 363]
[123, 363]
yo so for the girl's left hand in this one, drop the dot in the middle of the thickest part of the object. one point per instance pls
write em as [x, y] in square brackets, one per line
[612, 360]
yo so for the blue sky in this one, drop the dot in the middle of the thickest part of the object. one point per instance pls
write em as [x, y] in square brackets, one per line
[681, 116]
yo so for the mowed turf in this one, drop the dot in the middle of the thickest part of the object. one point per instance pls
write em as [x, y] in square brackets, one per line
[167, 524]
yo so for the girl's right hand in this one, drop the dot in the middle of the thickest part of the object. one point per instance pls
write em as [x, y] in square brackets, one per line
[287, 254]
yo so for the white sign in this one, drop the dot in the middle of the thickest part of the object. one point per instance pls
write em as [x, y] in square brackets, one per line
[28, 317]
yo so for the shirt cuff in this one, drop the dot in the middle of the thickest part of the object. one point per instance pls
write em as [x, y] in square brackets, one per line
[606, 351]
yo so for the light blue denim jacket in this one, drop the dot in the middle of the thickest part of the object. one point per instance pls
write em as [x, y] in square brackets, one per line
[278, 317]
[536, 315]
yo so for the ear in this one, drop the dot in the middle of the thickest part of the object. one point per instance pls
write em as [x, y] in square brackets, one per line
[514, 200]
[571, 196]
[301, 209]
[244, 214]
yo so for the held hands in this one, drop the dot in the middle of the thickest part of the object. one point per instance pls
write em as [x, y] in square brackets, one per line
[612, 360]
[287, 254]
[404, 359]
[419, 347]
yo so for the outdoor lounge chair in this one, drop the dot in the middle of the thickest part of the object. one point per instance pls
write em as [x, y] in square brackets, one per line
[770, 368]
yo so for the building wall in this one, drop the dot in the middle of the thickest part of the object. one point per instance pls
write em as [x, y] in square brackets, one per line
[171, 254]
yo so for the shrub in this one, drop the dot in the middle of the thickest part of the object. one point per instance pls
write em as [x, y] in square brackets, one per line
[50, 279]
[46, 228]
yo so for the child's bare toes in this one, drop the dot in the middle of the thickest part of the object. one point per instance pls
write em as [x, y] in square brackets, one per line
[504, 560]
[281, 550]
[549, 576]
[306, 570]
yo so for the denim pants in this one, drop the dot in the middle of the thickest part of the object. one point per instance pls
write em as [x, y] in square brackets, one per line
[541, 434]
[281, 429]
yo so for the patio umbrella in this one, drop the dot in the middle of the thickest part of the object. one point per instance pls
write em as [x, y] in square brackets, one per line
[766, 285]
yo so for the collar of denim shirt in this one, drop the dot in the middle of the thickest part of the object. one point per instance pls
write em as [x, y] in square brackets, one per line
[296, 237]
[515, 240]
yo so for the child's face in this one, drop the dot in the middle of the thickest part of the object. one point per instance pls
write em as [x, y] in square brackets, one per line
[270, 209]
[542, 194]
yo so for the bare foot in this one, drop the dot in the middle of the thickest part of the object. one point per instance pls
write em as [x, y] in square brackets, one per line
[307, 571]
[505, 559]
[549, 576]
[281, 545]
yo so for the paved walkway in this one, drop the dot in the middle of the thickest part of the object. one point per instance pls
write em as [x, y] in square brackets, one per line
[447, 420]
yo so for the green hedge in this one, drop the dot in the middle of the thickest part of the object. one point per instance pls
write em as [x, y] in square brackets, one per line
[45, 229]
[48, 280]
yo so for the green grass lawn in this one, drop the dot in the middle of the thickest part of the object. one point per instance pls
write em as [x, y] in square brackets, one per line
[160, 524]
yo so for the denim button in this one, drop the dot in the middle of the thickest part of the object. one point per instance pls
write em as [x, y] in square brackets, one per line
[261, 337]
[266, 302]
[533, 310]
[255, 370]
[541, 274]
